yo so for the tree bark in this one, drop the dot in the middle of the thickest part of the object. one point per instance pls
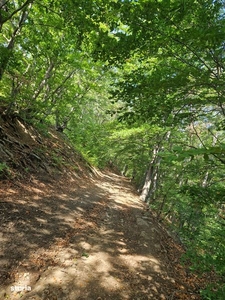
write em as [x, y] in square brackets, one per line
[151, 176]
[42, 84]
[6, 51]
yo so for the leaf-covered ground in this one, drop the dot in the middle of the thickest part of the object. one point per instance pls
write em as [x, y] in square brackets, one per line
[83, 238]
[70, 232]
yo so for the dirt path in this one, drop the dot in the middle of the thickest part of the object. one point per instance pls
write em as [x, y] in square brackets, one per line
[85, 239]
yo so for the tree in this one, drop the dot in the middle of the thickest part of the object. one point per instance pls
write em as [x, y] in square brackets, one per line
[139, 84]
[172, 76]
[13, 16]
[44, 46]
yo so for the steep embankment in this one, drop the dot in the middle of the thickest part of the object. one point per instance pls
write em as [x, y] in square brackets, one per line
[67, 233]
[25, 151]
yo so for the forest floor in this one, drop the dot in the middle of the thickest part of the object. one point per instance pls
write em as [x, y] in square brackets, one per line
[86, 238]
[68, 231]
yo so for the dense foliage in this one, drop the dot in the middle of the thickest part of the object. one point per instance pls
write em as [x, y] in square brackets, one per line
[134, 84]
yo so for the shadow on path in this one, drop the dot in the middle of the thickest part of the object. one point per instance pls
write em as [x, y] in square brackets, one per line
[81, 240]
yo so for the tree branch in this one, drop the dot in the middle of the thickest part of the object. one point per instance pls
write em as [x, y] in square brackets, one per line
[16, 11]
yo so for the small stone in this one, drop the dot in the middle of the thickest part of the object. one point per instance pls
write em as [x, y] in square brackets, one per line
[141, 222]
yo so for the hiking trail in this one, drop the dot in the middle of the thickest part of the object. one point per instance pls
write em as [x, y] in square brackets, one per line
[86, 238]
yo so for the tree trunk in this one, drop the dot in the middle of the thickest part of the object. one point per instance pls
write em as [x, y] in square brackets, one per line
[44, 81]
[6, 51]
[151, 176]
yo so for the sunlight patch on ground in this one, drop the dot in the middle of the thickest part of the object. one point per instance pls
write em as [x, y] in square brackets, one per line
[126, 200]
[106, 232]
[78, 272]
[119, 197]
[41, 221]
[10, 191]
[28, 132]
[111, 284]
[85, 245]
[37, 197]
[45, 231]
[100, 262]
[138, 262]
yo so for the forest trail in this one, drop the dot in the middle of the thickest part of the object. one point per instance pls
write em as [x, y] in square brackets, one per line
[86, 238]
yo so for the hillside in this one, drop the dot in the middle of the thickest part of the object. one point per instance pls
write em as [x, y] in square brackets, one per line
[25, 151]
[69, 231]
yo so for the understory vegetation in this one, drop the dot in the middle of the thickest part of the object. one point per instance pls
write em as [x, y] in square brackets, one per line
[134, 85]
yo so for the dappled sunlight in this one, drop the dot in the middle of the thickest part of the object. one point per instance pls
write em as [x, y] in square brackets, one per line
[80, 243]
[111, 284]
[126, 200]
[139, 262]
[85, 245]
[100, 262]
[121, 198]
[10, 191]
[75, 270]
[26, 131]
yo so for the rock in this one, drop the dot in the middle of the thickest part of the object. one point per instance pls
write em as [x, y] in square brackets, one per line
[141, 222]
[145, 235]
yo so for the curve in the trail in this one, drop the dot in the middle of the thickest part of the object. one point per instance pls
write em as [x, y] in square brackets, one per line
[88, 239]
